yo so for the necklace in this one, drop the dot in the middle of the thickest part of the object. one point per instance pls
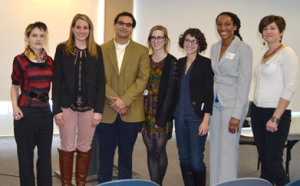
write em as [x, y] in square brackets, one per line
[268, 55]
[159, 58]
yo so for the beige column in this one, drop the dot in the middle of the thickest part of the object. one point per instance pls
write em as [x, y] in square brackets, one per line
[112, 9]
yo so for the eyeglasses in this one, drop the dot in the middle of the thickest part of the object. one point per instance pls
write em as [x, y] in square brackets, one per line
[193, 42]
[158, 38]
[121, 23]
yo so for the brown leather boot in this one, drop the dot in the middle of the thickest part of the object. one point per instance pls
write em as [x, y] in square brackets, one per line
[66, 167]
[82, 166]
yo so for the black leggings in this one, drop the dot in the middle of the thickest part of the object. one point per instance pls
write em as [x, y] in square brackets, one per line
[157, 158]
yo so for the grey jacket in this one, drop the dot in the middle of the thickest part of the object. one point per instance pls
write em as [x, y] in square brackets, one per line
[233, 74]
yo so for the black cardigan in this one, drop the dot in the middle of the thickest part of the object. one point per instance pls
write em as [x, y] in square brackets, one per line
[63, 85]
[201, 84]
[166, 92]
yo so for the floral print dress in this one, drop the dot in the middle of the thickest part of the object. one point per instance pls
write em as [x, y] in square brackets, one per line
[150, 104]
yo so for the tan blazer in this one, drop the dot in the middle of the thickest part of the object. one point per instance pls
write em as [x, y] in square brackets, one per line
[129, 84]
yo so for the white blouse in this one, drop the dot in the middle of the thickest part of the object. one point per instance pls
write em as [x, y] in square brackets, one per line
[276, 79]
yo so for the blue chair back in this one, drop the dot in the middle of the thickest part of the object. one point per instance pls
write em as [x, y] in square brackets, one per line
[245, 182]
[294, 183]
[129, 182]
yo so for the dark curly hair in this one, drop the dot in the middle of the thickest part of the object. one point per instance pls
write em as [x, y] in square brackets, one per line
[194, 32]
[236, 21]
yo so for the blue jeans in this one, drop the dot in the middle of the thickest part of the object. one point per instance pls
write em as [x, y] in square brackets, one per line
[190, 145]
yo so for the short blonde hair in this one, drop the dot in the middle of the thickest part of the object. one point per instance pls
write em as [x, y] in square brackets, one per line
[40, 25]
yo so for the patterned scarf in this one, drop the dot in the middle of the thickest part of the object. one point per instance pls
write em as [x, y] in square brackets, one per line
[29, 53]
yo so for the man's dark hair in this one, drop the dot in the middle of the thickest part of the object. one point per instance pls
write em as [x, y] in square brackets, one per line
[126, 14]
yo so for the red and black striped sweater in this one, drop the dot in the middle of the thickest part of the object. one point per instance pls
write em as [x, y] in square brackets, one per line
[32, 77]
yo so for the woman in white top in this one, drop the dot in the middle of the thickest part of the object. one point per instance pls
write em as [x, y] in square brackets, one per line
[276, 77]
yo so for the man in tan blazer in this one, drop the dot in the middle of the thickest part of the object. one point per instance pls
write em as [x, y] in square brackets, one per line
[126, 66]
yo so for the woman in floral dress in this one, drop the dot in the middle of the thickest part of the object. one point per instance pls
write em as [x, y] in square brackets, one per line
[159, 98]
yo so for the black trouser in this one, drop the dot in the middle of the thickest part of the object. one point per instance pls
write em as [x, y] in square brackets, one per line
[270, 145]
[29, 132]
[123, 135]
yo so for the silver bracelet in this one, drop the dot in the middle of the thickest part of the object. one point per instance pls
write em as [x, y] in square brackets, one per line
[275, 120]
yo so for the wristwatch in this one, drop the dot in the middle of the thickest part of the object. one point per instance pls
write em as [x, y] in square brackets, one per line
[275, 120]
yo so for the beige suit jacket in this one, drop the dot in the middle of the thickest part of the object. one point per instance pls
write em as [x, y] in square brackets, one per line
[129, 84]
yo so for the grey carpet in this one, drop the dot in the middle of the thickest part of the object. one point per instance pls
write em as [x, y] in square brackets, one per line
[247, 162]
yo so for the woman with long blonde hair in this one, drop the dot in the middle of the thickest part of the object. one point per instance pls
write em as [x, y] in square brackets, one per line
[78, 97]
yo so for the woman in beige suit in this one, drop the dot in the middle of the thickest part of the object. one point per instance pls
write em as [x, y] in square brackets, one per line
[232, 65]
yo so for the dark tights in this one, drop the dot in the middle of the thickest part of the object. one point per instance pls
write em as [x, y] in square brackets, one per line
[157, 158]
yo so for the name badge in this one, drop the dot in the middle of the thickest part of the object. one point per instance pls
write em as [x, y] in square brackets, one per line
[229, 55]
[146, 92]
[270, 66]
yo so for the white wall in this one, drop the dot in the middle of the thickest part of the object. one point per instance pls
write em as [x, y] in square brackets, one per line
[179, 15]
[176, 15]
[16, 15]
